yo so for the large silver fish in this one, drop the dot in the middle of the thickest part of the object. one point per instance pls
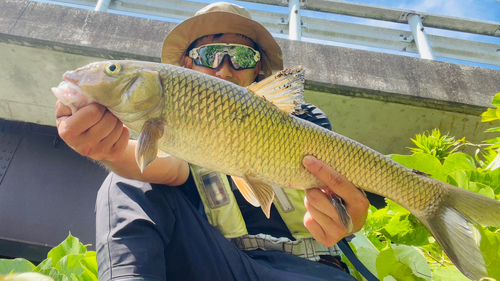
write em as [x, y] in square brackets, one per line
[249, 133]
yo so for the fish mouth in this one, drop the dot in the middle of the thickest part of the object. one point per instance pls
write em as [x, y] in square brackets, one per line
[71, 95]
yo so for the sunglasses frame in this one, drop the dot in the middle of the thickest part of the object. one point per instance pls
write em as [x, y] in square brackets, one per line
[194, 54]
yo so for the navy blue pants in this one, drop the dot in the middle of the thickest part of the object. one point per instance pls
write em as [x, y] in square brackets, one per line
[152, 232]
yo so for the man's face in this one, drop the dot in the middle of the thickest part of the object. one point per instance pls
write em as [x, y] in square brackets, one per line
[226, 71]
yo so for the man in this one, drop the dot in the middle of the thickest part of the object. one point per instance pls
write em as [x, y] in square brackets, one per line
[159, 231]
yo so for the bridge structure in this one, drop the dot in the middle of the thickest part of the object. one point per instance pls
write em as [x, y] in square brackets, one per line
[384, 87]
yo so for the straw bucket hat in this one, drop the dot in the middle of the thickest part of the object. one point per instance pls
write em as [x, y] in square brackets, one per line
[222, 18]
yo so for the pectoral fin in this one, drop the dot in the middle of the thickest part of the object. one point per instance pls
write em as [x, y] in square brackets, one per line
[147, 143]
[263, 192]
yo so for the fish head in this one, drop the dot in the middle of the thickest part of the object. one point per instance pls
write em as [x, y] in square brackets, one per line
[128, 89]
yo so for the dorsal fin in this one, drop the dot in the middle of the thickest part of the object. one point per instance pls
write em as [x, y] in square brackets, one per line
[284, 89]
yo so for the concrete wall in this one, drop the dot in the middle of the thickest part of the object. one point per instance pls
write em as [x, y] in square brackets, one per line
[378, 99]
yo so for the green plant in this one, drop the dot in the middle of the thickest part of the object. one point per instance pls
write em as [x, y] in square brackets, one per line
[491, 153]
[69, 261]
[394, 245]
[435, 144]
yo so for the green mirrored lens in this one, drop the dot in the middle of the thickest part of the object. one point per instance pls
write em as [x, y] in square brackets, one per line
[211, 56]
[208, 55]
[244, 57]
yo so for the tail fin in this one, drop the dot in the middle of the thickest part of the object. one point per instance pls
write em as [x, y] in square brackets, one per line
[452, 227]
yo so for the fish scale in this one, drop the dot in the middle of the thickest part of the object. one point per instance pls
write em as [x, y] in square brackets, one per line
[240, 132]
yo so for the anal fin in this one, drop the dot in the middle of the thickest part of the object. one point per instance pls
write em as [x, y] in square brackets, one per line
[146, 149]
[256, 192]
[246, 191]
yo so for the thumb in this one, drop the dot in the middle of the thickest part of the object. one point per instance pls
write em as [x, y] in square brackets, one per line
[62, 110]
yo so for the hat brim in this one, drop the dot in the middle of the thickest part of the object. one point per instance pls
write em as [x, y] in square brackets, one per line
[179, 39]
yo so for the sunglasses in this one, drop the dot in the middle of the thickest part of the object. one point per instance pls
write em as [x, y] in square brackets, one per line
[212, 55]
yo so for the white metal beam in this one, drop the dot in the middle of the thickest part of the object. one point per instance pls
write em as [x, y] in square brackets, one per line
[294, 27]
[343, 32]
[420, 37]
[102, 5]
[394, 15]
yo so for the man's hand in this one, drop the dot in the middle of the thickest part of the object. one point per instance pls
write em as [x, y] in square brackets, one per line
[322, 219]
[92, 131]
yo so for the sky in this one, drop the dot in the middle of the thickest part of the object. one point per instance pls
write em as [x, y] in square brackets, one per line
[485, 10]
[488, 10]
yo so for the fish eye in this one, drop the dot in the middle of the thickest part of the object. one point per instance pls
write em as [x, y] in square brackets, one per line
[113, 68]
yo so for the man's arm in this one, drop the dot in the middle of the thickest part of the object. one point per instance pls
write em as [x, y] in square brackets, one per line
[96, 133]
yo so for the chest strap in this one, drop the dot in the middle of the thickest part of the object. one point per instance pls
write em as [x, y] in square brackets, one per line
[307, 248]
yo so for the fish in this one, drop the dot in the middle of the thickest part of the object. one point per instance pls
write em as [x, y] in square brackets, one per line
[252, 134]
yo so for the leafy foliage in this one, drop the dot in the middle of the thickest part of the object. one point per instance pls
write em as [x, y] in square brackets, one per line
[69, 261]
[435, 144]
[491, 153]
[394, 245]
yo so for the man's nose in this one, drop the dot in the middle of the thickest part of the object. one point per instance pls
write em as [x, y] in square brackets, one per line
[225, 70]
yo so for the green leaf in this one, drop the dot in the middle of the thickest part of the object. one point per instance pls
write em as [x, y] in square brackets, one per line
[406, 229]
[365, 251]
[496, 100]
[44, 265]
[493, 141]
[352, 270]
[395, 208]
[69, 246]
[27, 276]
[461, 179]
[496, 129]
[490, 247]
[15, 266]
[423, 162]
[495, 164]
[403, 262]
[458, 162]
[413, 258]
[447, 273]
[89, 265]
[486, 177]
[54, 274]
[70, 264]
[489, 115]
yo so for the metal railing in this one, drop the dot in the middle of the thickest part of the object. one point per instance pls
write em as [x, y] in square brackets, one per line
[300, 27]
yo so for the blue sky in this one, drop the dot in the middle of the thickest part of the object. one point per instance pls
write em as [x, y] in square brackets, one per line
[488, 10]
[485, 10]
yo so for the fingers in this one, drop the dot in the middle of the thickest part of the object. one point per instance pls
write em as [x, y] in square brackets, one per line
[354, 199]
[62, 110]
[324, 226]
[72, 126]
[102, 128]
[112, 146]
[92, 131]
[321, 209]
